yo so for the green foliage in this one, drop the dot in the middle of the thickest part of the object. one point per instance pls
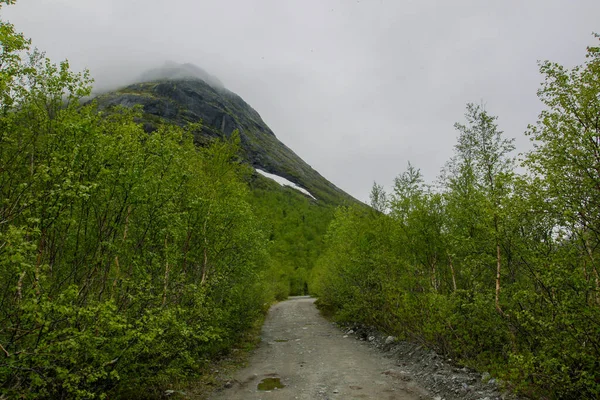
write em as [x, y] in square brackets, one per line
[295, 227]
[496, 270]
[128, 259]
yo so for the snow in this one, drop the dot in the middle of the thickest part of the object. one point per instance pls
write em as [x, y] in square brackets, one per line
[284, 182]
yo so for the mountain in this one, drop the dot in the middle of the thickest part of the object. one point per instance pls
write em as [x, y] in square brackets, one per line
[185, 93]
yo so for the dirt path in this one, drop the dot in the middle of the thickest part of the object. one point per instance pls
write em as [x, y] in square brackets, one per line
[315, 360]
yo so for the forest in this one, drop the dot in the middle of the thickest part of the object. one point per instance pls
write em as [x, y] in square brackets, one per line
[126, 258]
[130, 260]
[496, 263]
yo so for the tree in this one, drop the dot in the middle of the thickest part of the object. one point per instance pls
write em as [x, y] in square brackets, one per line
[378, 198]
[482, 165]
[127, 258]
[566, 158]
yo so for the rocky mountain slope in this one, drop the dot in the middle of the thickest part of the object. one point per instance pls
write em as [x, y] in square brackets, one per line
[183, 94]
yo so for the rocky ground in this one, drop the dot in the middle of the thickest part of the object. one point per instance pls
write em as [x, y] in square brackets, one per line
[438, 375]
[304, 356]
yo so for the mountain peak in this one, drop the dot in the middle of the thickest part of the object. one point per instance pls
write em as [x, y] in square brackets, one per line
[184, 93]
[174, 71]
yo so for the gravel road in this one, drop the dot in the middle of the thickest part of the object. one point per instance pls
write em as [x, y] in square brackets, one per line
[313, 359]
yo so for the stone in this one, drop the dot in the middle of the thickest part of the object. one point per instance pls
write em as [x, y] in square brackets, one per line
[485, 377]
[390, 340]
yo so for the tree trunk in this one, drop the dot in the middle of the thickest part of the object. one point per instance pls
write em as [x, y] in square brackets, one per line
[433, 275]
[590, 254]
[38, 263]
[117, 267]
[20, 285]
[452, 271]
[498, 264]
[167, 270]
[205, 264]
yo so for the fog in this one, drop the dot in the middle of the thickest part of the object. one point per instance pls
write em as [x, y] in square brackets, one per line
[356, 88]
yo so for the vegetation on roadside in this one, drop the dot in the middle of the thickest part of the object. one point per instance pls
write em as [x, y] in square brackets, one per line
[130, 257]
[497, 269]
[128, 260]
[217, 374]
[295, 226]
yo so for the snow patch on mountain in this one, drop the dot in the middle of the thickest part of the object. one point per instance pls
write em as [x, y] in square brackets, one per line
[284, 182]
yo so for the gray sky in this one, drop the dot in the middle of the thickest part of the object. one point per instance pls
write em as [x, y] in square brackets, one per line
[355, 88]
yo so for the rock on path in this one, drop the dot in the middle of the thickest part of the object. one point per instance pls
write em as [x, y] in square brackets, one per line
[313, 359]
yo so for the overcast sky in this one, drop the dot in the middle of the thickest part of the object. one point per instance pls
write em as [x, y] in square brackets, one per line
[355, 88]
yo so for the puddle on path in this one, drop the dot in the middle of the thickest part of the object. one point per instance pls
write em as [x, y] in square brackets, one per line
[270, 384]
